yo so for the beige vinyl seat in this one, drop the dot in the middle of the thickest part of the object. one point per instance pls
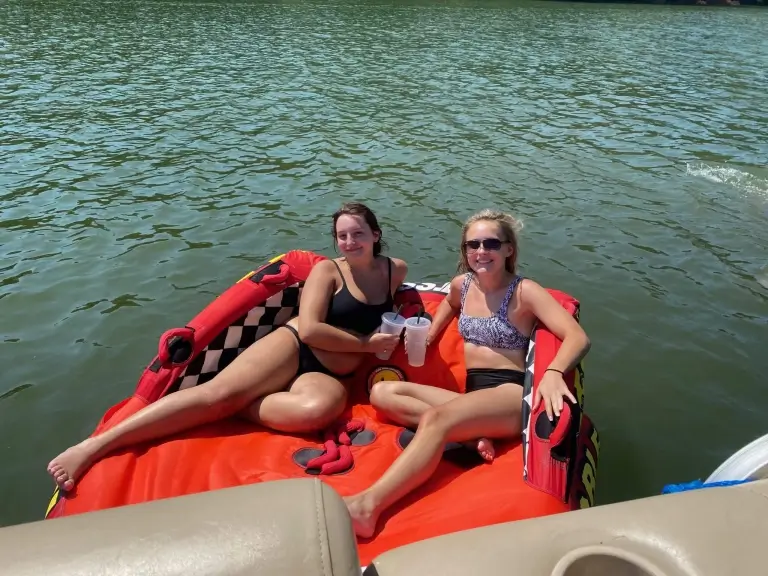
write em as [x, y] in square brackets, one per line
[282, 528]
[710, 532]
[301, 527]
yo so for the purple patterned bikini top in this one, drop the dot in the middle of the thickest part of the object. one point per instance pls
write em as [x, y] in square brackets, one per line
[492, 331]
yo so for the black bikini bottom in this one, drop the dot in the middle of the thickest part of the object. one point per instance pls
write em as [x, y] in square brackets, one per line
[308, 362]
[482, 378]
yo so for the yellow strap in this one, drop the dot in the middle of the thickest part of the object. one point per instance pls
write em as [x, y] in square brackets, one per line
[53, 501]
[252, 272]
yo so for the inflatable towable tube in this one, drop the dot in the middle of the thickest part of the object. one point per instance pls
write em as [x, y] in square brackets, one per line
[551, 469]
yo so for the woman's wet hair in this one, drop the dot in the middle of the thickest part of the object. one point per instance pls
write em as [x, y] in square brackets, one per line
[509, 225]
[360, 209]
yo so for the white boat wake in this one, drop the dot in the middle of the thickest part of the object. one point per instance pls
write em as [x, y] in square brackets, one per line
[748, 183]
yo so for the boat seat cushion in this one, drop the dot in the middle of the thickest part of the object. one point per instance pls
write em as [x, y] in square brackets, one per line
[711, 532]
[297, 526]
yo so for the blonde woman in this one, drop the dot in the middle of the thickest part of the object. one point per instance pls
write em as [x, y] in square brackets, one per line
[497, 310]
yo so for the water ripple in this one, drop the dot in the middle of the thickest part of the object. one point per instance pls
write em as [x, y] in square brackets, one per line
[150, 152]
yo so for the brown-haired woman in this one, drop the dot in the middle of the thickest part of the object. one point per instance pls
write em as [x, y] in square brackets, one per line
[291, 379]
[497, 310]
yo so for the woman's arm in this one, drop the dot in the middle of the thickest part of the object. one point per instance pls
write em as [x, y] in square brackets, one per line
[399, 272]
[448, 308]
[575, 344]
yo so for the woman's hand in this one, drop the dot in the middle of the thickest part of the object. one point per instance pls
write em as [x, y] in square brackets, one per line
[429, 340]
[379, 342]
[552, 389]
[540, 303]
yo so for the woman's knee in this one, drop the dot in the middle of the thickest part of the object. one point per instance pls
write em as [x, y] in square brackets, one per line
[382, 392]
[320, 410]
[435, 421]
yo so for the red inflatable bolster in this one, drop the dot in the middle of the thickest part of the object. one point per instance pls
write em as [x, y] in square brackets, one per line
[238, 299]
[550, 459]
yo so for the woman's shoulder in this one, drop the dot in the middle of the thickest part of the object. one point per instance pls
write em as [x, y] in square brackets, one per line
[324, 268]
[457, 282]
[399, 268]
[529, 290]
[397, 263]
[524, 282]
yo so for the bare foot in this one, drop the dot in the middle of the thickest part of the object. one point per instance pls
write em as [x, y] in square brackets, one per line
[66, 468]
[486, 450]
[364, 514]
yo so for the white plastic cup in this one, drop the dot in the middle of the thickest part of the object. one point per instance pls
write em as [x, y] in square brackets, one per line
[391, 323]
[416, 331]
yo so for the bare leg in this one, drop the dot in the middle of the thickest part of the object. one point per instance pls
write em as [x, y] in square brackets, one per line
[312, 402]
[493, 412]
[406, 402]
[265, 367]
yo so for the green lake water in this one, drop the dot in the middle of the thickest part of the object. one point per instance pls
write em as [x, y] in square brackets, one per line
[151, 153]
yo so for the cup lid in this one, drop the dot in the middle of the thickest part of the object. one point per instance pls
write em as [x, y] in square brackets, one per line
[392, 317]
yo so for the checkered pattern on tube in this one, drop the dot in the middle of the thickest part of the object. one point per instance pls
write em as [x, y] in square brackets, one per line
[528, 401]
[243, 332]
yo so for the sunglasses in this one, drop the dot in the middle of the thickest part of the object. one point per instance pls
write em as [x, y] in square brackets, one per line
[487, 243]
